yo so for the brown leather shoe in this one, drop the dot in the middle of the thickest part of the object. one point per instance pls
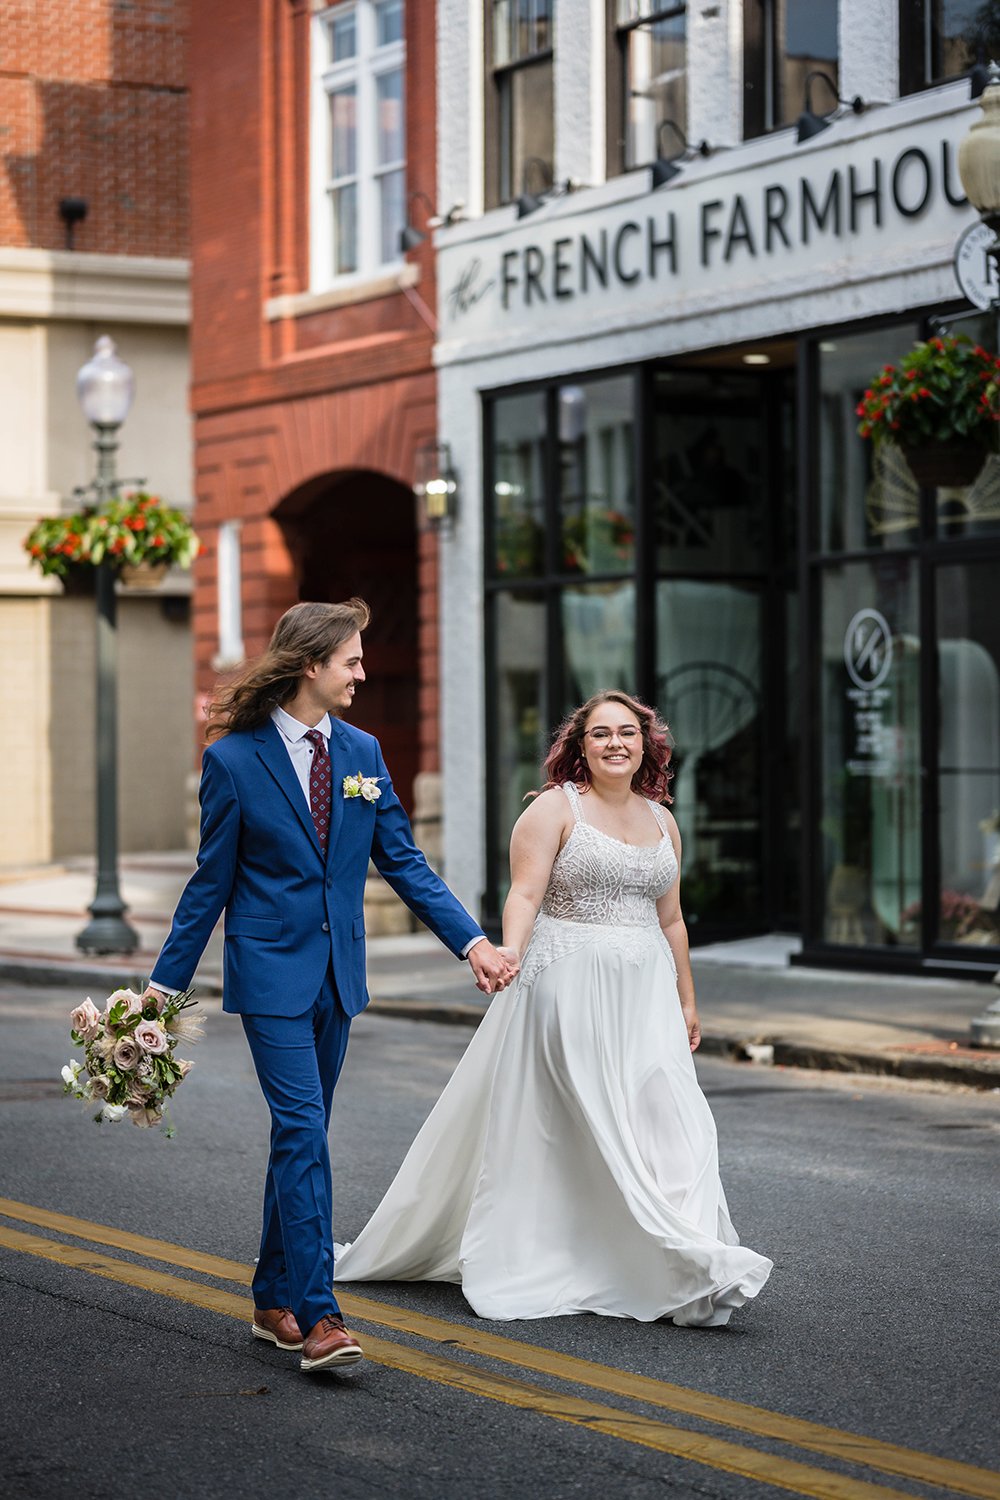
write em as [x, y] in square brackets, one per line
[329, 1345]
[278, 1326]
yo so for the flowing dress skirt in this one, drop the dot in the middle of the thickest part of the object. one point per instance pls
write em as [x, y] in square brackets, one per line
[570, 1165]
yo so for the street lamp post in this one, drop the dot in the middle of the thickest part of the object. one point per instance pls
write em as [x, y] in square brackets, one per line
[105, 388]
[979, 169]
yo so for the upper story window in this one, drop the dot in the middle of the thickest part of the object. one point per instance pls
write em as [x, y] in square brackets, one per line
[359, 139]
[783, 42]
[520, 139]
[941, 39]
[648, 81]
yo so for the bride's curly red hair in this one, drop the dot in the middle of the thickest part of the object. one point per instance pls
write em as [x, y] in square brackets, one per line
[567, 762]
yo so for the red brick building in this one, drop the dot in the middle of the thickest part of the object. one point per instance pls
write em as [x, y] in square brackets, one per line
[312, 384]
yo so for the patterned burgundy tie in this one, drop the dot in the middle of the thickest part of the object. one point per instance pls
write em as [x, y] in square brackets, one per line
[320, 786]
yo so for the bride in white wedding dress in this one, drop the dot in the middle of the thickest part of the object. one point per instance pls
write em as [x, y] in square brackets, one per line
[570, 1164]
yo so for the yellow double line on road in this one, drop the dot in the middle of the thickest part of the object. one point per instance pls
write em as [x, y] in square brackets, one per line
[718, 1453]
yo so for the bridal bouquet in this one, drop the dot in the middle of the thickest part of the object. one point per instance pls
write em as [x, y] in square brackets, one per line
[129, 1066]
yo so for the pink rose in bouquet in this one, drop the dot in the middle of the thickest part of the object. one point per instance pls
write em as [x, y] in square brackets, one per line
[86, 1020]
[126, 1054]
[151, 1037]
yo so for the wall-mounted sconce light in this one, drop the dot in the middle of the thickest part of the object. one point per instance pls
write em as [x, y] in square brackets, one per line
[811, 124]
[72, 211]
[528, 202]
[409, 236]
[435, 485]
[665, 168]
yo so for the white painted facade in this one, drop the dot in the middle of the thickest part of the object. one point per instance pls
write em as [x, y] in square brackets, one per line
[906, 262]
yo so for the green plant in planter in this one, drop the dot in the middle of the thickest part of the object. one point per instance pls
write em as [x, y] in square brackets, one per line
[135, 529]
[943, 395]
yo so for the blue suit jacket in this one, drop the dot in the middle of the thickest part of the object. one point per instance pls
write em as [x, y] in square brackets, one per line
[290, 911]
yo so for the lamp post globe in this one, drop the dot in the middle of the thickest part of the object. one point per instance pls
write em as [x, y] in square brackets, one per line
[105, 389]
[105, 386]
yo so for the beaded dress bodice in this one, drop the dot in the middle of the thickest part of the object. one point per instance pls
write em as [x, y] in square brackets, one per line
[602, 890]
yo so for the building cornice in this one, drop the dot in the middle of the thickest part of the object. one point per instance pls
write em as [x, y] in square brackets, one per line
[107, 288]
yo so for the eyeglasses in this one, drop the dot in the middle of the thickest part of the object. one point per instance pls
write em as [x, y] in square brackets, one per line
[628, 735]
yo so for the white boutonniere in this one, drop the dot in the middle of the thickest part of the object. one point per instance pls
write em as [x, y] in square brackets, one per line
[363, 786]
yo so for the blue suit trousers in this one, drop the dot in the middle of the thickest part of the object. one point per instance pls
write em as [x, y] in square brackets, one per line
[298, 1061]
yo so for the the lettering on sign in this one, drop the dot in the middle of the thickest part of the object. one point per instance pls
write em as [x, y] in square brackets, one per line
[741, 228]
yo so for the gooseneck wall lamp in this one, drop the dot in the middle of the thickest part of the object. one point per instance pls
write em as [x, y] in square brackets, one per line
[811, 124]
[665, 168]
[529, 201]
[435, 485]
[410, 236]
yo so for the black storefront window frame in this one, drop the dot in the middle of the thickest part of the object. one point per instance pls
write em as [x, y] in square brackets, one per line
[644, 573]
[929, 552]
[916, 72]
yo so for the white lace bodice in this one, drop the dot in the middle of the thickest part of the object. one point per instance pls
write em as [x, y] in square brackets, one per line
[601, 890]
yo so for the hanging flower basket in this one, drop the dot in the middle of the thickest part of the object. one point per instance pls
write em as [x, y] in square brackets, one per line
[137, 532]
[945, 464]
[940, 406]
[144, 575]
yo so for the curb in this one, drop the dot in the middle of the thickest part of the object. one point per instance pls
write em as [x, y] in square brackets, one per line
[760, 1051]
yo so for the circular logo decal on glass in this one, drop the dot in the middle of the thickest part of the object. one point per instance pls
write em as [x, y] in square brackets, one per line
[868, 648]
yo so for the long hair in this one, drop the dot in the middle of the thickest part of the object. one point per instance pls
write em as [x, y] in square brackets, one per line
[305, 634]
[567, 762]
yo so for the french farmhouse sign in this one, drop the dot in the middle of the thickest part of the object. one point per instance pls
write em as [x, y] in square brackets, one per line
[867, 204]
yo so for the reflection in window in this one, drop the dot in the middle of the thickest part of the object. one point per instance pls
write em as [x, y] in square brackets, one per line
[597, 492]
[941, 39]
[652, 46]
[360, 158]
[868, 500]
[969, 754]
[598, 639]
[708, 686]
[521, 107]
[708, 474]
[521, 738]
[870, 754]
[784, 41]
[518, 499]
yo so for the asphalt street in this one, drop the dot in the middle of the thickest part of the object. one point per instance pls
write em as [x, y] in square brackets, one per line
[129, 1367]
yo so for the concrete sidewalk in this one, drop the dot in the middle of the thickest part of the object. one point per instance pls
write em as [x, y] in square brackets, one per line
[753, 1005]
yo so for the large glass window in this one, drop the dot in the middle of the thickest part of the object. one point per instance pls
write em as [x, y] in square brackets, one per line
[969, 753]
[359, 139]
[520, 145]
[517, 512]
[783, 42]
[596, 484]
[651, 37]
[868, 499]
[709, 686]
[869, 703]
[519, 740]
[940, 39]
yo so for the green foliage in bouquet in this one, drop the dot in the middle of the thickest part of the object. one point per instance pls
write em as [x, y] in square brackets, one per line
[136, 529]
[945, 391]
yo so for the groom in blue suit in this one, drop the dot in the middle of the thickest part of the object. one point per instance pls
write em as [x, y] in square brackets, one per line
[294, 804]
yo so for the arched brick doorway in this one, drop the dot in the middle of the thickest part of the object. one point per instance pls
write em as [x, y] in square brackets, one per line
[355, 533]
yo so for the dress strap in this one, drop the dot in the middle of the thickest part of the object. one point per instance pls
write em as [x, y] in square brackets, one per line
[657, 811]
[573, 794]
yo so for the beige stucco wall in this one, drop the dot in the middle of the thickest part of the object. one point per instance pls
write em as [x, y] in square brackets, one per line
[52, 309]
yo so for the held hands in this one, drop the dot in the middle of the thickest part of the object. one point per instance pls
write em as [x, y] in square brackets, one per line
[494, 968]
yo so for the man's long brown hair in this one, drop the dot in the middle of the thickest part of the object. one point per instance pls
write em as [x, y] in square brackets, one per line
[305, 634]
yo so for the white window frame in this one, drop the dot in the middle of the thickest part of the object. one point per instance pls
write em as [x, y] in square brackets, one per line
[363, 70]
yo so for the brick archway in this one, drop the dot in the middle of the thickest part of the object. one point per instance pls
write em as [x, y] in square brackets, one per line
[355, 534]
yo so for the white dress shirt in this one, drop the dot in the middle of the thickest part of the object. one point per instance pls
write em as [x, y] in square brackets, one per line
[300, 750]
